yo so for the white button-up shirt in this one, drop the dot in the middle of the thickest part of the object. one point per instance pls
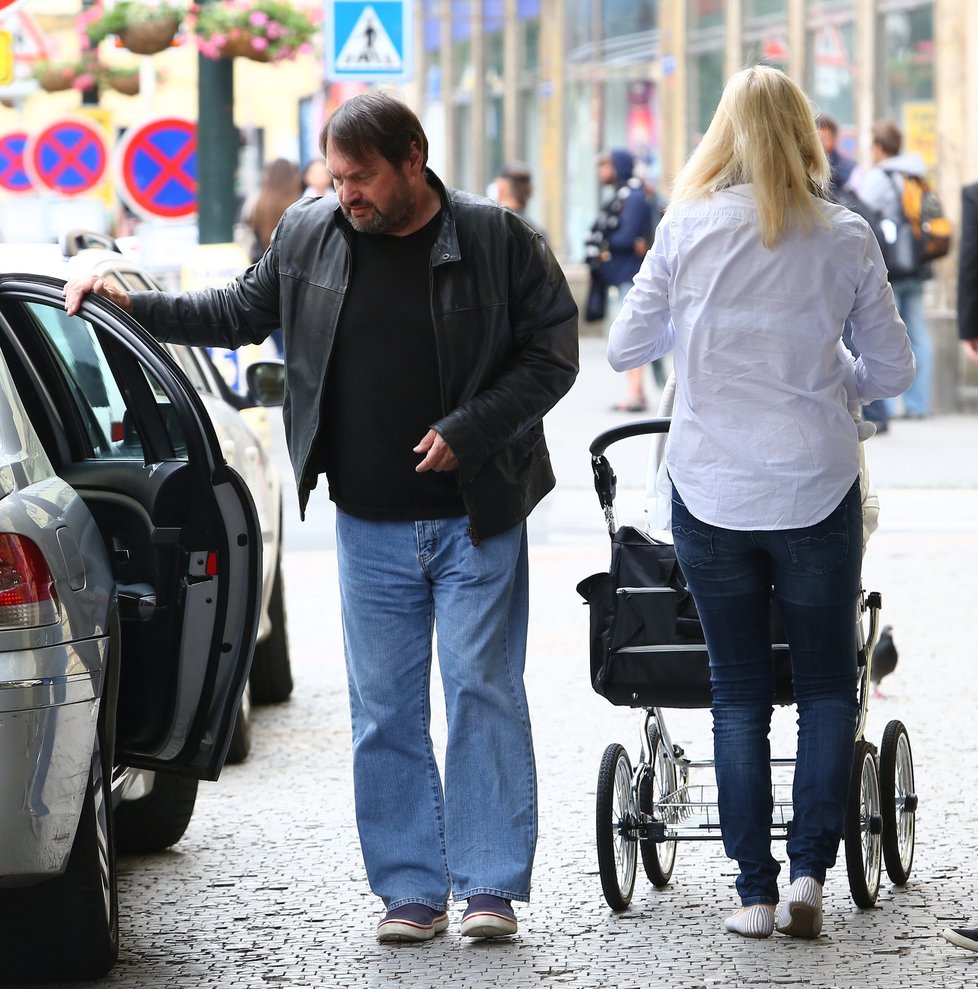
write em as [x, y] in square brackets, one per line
[761, 437]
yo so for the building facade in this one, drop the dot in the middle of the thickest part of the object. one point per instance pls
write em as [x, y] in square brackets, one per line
[552, 82]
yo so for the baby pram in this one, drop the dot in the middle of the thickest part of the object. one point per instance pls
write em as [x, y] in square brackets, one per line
[647, 651]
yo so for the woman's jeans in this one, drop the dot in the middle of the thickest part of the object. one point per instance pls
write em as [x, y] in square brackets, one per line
[399, 583]
[815, 573]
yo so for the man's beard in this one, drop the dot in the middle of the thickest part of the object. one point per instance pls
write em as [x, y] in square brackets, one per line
[399, 213]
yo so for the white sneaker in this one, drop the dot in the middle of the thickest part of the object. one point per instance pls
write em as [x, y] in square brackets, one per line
[757, 920]
[800, 913]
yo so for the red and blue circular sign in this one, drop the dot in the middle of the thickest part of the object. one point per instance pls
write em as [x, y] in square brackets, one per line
[13, 176]
[68, 156]
[157, 168]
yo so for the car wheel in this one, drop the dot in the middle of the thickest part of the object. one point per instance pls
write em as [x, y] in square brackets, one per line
[241, 736]
[158, 817]
[77, 911]
[271, 669]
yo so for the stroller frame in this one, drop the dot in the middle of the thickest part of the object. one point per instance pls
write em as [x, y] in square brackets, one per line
[648, 810]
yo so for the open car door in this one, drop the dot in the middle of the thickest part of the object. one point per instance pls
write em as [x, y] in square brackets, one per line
[121, 423]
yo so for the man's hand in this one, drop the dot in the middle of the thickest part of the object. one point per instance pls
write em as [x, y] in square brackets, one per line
[438, 454]
[971, 349]
[77, 288]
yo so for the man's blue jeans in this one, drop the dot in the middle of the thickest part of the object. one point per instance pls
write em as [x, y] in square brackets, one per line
[908, 293]
[815, 574]
[399, 583]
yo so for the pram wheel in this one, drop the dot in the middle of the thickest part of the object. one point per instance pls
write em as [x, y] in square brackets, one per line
[898, 802]
[863, 827]
[616, 819]
[656, 786]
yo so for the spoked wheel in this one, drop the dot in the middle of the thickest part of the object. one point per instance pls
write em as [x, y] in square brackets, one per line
[616, 818]
[657, 800]
[863, 827]
[898, 802]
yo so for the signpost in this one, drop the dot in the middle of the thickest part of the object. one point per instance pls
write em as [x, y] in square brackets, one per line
[156, 165]
[13, 177]
[68, 156]
[368, 41]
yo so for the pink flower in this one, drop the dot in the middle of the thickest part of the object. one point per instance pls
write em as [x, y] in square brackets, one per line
[259, 43]
[275, 30]
[218, 40]
[84, 81]
[207, 49]
[258, 18]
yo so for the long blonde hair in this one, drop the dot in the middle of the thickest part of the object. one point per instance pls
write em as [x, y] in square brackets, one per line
[763, 133]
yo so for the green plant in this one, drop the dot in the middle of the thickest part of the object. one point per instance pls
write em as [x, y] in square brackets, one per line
[99, 21]
[271, 29]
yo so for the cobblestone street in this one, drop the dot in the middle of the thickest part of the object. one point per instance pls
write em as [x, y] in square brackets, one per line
[268, 889]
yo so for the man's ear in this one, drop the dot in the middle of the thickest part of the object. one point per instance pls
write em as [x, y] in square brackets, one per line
[415, 160]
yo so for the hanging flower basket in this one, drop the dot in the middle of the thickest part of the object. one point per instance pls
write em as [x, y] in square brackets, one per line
[243, 45]
[145, 27]
[124, 82]
[149, 37]
[54, 78]
[262, 30]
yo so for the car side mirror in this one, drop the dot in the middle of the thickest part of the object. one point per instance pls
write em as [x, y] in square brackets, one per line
[266, 382]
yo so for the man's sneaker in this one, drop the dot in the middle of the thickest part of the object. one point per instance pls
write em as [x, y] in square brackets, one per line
[411, 922]
[756, 920]
[962, 937]
[488, 916]
[800, 913]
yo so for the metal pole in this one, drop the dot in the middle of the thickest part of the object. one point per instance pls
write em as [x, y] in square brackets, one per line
[217, 149]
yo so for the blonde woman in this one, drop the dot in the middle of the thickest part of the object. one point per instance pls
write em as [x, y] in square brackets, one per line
[751, 278]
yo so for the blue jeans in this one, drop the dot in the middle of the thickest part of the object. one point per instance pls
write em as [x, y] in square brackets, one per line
[399, 582]
[909, 296]
[815, 574]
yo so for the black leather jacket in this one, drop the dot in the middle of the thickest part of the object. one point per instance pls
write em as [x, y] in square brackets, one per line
[505, 332]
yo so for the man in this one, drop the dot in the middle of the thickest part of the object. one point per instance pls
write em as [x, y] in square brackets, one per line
[968, 271]
[619, 238]
[842, 167]
[882, 190]
[427, 332]
[967, 937]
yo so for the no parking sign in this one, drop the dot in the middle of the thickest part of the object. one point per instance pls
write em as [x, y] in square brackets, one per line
[13, 177]
[156, 164]
[68, 156]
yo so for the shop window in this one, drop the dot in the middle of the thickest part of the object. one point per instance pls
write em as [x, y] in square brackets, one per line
[906, 77]
[831, 68]
[765, 33]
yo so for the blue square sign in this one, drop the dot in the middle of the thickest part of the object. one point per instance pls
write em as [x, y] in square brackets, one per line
[368, 41]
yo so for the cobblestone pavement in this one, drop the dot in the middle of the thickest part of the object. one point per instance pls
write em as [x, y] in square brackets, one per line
[268, 889]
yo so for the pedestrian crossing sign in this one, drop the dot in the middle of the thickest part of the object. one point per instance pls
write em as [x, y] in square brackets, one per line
[368, 41]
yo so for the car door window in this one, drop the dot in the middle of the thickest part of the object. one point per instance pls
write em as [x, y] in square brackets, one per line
[111, 426]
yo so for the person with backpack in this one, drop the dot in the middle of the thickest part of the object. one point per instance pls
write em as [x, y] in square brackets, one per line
[882, 191]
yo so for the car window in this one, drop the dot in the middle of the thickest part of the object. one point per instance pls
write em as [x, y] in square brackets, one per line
[112, 428]
[188, 364]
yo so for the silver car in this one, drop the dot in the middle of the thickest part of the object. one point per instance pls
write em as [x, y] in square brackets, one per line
[130, 598]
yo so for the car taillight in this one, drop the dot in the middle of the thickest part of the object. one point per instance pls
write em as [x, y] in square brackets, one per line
[27, 594]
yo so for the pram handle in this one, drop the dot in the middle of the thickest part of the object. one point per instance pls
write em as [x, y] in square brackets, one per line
[605, 481]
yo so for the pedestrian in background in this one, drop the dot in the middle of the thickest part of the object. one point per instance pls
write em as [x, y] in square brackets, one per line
[619, 238]
[842, 167]
[751, 279]
[968, 271]
[316, 180]
[281, 186]
[882, 190]
[427, 334]
[514, 187]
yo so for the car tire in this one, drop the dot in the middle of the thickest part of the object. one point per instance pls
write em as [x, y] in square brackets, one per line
[67, 928]
[240, 744]
[157, 819]
[271, 669]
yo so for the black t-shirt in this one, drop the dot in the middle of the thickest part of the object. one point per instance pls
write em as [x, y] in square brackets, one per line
[382, 391]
